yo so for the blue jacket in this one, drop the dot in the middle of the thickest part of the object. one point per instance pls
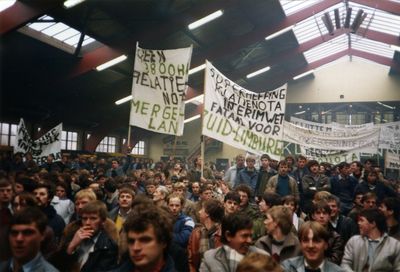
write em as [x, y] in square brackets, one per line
[54, 221]
[122, 169]
[183, 228]
[381, 189]
[244, 177]
[335, 184]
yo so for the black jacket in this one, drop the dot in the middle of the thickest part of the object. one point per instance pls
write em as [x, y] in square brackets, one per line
[169, 266]
[103, 258]
[345, 227]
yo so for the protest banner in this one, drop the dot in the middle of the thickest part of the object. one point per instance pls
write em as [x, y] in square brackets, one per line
[390, 136]
[350, 141]
[47, 145]
[160, 79]
[330, 156]
[241, 118]
[310, 125]
[341, 127]
[392, 161]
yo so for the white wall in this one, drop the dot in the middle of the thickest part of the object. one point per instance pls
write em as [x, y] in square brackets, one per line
[358, 81]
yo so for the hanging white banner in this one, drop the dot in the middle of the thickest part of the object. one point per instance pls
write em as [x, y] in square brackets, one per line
[47, 145]
[390, 136]
[160, 79]
[241, 118]
[331, 156]
[352, 141]
[341, 127]
[310, 125]
[392, 161]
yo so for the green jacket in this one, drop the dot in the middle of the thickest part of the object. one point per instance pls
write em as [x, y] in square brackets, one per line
[207, 174]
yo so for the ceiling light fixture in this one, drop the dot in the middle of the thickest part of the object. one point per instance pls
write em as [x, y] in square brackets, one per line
[123, 100]
[300, 112]
[198, 68]
[206, 19]
[192, 118]
[360, 17]
[304, 74]
[111, 63]
[196, 100]
[328, 23]
[387, 106]
[71, 3]
[279, 33]
[263, 70]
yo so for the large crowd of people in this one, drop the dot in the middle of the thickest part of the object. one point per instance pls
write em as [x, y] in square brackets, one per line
[132, 214]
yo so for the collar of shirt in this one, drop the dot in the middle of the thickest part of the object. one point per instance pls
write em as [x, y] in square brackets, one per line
[316, 178]
[320, 267]
[334, 224]
[28, 266]
[124, 216]
[9, 206]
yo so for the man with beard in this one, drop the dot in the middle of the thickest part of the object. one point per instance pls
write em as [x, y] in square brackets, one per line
[282, 183]
[44, 195]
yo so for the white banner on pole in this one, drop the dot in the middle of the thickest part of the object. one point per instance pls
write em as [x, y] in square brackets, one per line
[351, 141]
[310, 125]
[392, 161]
[241, 118]
[47, 145]
[341, 127]
[160, 79]
[390, 136]
[330, 156]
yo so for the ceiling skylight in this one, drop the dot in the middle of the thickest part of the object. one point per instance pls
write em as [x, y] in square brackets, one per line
[371, 46]
[339, 60]
[6, 4]
[59, 31]
[327, 49]
[290, 7]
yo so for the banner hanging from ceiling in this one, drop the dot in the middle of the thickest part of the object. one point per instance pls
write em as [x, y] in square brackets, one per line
[47, 145]
[241, 118]
[392, 161]
[160, 80]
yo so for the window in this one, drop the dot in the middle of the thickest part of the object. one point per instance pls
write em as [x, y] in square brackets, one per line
[138, 149]
[357, 119]
[342, 118]
[8, 134]
[69, 140]
[108, 144]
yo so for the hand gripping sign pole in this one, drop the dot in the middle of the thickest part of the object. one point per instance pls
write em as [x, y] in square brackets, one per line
[202, 124]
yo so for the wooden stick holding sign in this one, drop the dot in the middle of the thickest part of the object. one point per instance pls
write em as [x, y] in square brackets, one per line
[173, 150]
[202, 154]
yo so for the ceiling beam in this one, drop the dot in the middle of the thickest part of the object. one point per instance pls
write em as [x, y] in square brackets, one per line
[270, 83]
[379, 59]
[21, 13]
[128, 44]
[386, 5]
[247, 39]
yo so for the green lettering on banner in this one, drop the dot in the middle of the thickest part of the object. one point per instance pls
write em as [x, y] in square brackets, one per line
[144, 104]
[166, 114]
[156, 108]
[136, 104]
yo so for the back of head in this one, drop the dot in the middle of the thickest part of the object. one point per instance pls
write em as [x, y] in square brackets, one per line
[234, 222]
[214, 208]
[245, 188]
[142, 199]
[272, 199]
[283, 216]
[392, 204]
[257, 262]
[110, 185]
